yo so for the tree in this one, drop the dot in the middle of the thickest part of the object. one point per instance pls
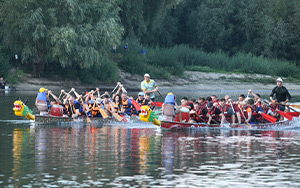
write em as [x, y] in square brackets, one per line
[71, 32]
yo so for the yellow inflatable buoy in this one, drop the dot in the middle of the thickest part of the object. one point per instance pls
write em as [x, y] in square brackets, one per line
[147, 115]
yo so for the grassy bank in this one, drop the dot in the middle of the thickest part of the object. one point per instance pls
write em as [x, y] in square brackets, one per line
[163, 62]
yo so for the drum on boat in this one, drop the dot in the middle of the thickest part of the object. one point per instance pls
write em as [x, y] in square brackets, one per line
[56, 110]
[185, 114]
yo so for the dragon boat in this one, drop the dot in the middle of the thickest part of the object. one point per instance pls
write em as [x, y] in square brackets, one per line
[22, 109]
[148, 115]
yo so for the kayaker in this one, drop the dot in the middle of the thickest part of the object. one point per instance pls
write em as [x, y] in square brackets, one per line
[149, 86]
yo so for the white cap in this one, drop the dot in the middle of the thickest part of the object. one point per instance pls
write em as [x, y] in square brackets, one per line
[98, 100]
[141, 93]
[147, 75]
[279, 80]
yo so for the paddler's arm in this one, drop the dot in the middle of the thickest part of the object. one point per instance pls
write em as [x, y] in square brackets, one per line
[54, 97]
[76, 94]
[119, 90]
[209, 118]
[255, 96]
[152, 91]
[222, 118]
[238, 114]
[76, 113]
[98, 92]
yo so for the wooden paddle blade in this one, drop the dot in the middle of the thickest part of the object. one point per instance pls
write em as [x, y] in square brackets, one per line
[118, 117]
[158, 104]
[295, 114]
[104, 115]
[295, 105]
[287, 116]
[136, 105]
[269, 118]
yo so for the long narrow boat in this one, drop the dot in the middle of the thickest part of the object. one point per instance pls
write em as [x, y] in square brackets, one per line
[53, 119]
[148, 116]
[168, 125]
[22, 110]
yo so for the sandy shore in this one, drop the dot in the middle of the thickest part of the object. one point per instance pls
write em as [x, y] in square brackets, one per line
[200, 82]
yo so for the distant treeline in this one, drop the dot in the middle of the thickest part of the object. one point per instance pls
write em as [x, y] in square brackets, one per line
[74, 38]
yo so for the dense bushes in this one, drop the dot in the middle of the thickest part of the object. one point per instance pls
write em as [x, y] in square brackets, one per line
[163, 62]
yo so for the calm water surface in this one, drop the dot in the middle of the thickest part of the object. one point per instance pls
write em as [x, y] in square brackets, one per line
[140, 155]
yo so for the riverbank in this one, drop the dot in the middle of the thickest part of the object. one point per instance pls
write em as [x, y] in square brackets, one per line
[206, 82]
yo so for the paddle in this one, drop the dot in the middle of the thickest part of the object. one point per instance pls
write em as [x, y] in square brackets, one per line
[160, 94]
[114, 89]
[102, 112]
[295, 105]
[158, 104]
[136, 105]
[295, 114]
[245, 117]
[268, 117]
[287, 116]
[289, 106]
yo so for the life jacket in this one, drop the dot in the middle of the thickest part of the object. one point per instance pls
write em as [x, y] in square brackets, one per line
[244, 111]
[274, 108]
[95, 111]
[146, 102]
[67, 110]
[139, 101]
[225, 112]
[256, 117]
[43, 97]
[117, 109]
[213, 114]
[170, 99]
[199, 113]
[127, 107]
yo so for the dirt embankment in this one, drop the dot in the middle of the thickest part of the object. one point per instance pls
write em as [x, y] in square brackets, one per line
[191, 81]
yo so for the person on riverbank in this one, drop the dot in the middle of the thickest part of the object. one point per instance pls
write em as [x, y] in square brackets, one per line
[143, 51]
[149, 86]
[2, 83]
[282, 95]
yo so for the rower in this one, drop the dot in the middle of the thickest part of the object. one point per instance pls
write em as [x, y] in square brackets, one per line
[107, 106]
[147, 101]
[96, 108]
[127, 106]
[199, 114]
[215, 113]
[227, 111]
[42, 101]
[117, 103]
[140, 98]
[185, 103]
[256, 111]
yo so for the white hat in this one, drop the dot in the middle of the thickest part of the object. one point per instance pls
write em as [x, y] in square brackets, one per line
[141, 93]
[279, 80]
[147, 75]
[98, 100]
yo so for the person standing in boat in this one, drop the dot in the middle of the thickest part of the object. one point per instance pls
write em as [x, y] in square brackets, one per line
[149, 86]
[42, 101]
[282, 95]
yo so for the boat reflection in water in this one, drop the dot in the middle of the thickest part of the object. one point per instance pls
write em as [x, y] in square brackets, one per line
[118, 155]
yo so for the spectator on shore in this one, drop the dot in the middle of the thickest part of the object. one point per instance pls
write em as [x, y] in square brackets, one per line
[143, 51]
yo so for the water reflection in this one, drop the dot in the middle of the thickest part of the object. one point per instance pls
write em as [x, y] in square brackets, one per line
[94, 155]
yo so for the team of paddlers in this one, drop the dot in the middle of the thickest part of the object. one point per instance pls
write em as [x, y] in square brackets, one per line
[210, 110]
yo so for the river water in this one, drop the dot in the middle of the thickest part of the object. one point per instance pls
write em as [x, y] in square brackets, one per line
[141, 155]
